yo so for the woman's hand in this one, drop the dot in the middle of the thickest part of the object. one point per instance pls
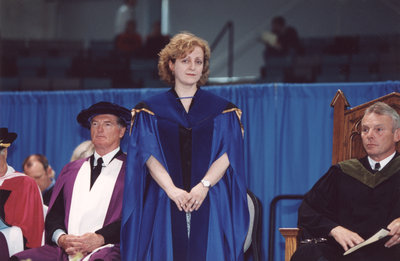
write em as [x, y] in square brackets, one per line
[213, 175]
[163, 179]
[198, 194]
[180, 197]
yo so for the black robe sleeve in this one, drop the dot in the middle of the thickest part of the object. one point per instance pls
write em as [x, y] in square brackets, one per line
[111, 232]
[55, 218]
[317, 211]
[4, 194]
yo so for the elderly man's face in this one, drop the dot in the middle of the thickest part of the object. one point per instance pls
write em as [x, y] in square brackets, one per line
[378, 137]
[106, 133]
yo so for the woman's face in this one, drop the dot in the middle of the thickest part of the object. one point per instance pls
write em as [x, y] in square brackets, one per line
[188, 69]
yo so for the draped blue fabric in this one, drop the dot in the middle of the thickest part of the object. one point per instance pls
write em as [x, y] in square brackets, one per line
[149, 219]
[288, 132]
[219, 227]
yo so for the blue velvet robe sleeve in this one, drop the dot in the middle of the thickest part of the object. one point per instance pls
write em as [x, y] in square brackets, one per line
[146, 210]
[229, 216]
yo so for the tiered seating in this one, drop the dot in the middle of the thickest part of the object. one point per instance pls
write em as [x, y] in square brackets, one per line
[339, 59]
[61, 65]
[65, 65]
[334, 68]
[29, 66]
[364, 67]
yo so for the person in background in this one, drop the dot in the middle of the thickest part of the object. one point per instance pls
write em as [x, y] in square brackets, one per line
[155, 41]
[356, 198]
[282, 40]
[20, 201]
[84, 216]
[185, 191]
[37, 166]
[124, 13]
[281, 43]
[129, 42]
[83, 150]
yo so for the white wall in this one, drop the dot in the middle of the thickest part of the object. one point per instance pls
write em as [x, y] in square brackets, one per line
[86, 20]
[27, 19]
[94, 19]
[70, 19]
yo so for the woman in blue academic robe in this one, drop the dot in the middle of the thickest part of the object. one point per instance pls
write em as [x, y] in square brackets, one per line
[185, 186]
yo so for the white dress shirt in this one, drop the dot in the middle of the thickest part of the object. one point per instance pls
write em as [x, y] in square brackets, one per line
[383, 162]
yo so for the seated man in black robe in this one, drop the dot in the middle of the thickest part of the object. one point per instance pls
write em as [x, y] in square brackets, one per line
[356, 198]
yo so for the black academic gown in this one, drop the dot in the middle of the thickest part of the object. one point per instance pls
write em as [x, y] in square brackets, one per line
[350, 195]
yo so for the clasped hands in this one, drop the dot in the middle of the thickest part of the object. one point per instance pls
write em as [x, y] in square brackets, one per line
[188, 201]
[348, 239]
[83, 244]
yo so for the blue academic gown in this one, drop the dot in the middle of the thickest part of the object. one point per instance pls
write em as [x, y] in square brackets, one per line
[186, 144]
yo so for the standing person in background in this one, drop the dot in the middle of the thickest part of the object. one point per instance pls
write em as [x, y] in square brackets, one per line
[155, 41]
[20, 201]
[129, 42]
[283, 40]
[185, 191]
[125, 13]
[37, 166]
[84, 217]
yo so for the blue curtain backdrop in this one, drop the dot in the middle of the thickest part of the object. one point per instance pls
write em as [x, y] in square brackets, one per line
[288, 132]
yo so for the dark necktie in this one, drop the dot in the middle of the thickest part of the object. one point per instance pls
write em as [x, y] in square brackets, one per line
[377, 167]
[96, 171]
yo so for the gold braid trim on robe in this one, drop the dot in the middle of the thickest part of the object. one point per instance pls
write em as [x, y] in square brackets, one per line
[355, 169]
[239, 115]
[136, 111]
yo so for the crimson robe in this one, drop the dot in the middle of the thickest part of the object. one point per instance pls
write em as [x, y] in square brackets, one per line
[23, 207]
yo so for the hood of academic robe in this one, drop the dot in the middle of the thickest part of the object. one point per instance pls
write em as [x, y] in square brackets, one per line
[66, 181]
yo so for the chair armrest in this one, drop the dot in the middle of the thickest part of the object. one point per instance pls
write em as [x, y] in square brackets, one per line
[291, 241]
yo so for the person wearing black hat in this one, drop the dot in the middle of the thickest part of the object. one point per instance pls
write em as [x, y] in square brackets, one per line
[85, 207]
[20, 204]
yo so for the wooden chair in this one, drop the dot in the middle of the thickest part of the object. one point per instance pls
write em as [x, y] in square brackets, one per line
[346, 144]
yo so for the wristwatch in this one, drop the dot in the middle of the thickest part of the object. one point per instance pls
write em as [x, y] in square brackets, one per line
[206, 183]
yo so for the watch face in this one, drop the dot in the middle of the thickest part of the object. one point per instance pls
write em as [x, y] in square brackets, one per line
[206, 183]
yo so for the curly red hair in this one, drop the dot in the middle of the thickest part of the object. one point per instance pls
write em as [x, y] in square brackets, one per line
[181, 45]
